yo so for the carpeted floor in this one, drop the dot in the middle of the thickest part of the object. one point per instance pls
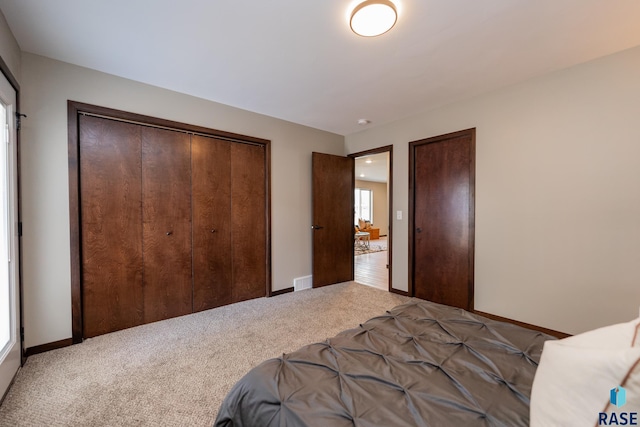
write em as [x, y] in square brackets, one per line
[176, 372]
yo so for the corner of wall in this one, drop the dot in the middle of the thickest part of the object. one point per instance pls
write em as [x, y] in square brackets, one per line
[10, 52]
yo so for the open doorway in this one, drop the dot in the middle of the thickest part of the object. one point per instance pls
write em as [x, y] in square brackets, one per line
[372, 218]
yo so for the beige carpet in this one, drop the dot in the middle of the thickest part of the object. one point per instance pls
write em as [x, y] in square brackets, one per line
[176, 372]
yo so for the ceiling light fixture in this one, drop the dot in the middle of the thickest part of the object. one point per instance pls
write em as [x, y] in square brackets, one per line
[373, 17]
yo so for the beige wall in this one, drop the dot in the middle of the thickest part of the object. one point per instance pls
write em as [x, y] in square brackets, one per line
[380, 209]
[557, 205]
[557, 198]
[47, 85]
[9, 49]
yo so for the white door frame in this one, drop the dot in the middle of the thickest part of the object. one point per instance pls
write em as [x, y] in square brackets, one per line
[10, 352]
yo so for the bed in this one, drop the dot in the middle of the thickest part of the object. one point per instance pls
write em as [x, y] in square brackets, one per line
[419, 364]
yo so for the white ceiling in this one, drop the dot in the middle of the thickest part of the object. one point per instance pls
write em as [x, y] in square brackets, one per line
[298, 60]
[374, 167]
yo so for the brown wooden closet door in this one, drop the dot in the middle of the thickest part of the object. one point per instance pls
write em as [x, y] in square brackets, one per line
[111, 225]
[211, 183]
[443, 220]
[166, 208]
[248, 221]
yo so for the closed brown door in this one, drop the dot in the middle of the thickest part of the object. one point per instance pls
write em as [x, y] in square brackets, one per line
[248, 221]
[442, 225]
[111, 225]
[166, 208]
[170, 221]
[333, 210]
[211, 181]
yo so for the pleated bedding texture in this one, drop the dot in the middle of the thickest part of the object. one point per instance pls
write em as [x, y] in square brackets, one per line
[419, 364]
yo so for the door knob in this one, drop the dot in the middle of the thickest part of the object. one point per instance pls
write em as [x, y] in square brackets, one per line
[316, 227]
[213, 230]
[169, 233]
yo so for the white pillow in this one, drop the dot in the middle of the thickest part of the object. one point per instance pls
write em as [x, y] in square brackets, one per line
[621, 335]
[575, 376]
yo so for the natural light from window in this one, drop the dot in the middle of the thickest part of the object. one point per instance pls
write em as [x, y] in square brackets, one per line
[363, 205]
[5, 297]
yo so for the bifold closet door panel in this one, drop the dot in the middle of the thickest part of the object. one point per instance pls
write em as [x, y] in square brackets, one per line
[111, 225]
[211, 183]
[248, 216]
[166, 209]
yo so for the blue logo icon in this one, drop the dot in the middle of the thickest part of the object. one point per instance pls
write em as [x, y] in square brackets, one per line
[618, 396]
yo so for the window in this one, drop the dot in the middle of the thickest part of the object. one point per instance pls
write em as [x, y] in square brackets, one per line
[9, 295]
[363, 205]
[5, 290]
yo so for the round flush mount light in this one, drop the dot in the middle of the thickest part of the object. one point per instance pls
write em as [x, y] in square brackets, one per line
[373, 17]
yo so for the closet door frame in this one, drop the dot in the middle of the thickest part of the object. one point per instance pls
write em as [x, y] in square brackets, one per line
[74, 111]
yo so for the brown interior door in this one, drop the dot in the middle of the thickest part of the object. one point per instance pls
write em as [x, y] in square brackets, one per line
[443, 175]
[166, 209]
[248, 221]
[211, 184]
[333, 228]
[111, 225]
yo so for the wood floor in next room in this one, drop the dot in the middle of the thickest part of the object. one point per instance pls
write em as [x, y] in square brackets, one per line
[371, 270]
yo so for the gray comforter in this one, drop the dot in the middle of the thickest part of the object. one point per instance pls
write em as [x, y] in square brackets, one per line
[420, 364]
